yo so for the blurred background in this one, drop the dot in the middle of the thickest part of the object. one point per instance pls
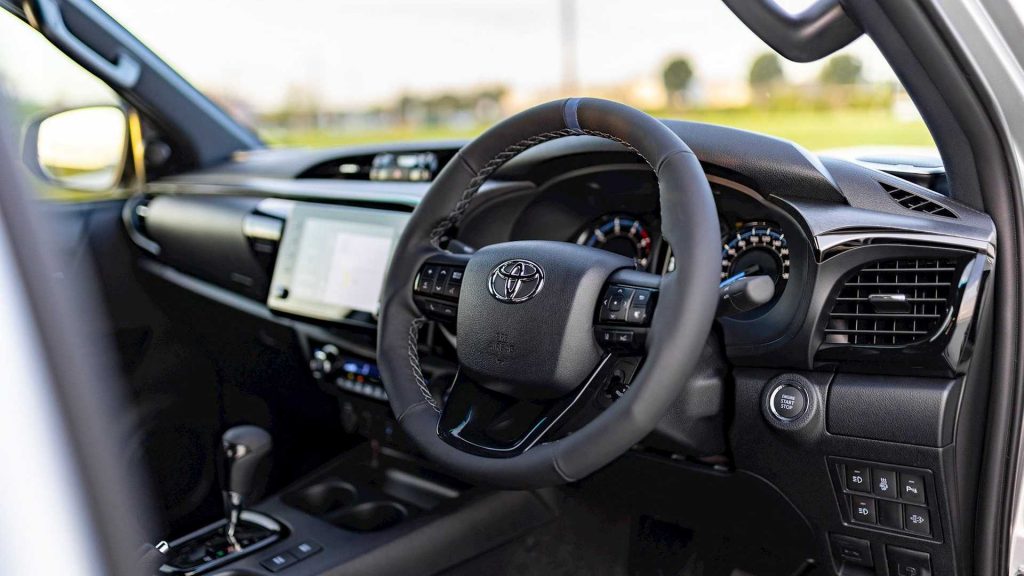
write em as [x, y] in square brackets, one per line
[335, 72]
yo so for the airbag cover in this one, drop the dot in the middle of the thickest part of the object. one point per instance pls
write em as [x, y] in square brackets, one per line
[543, 345]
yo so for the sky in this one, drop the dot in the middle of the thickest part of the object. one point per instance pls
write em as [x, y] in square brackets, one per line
[358, 53]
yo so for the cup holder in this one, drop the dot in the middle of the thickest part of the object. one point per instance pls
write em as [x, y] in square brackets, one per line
[323, 498]
[370, 516]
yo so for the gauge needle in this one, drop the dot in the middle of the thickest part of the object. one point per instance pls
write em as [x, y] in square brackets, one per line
[753, 270]
[731, 279]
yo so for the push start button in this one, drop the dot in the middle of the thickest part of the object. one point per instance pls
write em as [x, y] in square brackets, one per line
[788, 402]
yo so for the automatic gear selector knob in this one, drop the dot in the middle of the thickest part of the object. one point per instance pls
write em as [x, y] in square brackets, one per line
[243, 449]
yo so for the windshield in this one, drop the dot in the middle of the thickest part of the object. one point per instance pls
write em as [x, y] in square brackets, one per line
[334, 72]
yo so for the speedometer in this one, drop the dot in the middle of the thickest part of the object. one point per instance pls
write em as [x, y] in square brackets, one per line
[756, 249]
[620, 234]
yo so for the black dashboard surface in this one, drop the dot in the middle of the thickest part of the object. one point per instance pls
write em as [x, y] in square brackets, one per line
[783, 212]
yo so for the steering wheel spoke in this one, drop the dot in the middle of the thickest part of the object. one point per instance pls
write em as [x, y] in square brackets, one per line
[625, 311]
[481, 421]
[438, 285]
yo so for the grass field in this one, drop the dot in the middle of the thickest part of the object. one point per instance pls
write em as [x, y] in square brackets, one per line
[815, 130]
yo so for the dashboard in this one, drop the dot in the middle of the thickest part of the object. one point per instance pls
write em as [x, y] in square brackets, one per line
[880, 287]
[616, 209]
[317, 233]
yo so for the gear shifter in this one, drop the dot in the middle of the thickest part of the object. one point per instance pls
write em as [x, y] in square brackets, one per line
[243, 449]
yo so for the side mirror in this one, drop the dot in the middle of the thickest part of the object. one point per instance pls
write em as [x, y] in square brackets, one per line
[79, 149]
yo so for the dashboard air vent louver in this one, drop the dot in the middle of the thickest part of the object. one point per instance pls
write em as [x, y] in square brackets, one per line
[893, 303]
[912, 201]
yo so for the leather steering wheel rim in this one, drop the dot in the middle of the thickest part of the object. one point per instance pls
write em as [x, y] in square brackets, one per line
[679, 328]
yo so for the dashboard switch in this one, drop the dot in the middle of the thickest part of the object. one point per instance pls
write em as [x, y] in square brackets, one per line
[305, 550]
[850, 550]
[863, 509]
[788, 403]
[906, 562]
[916, 520]
[885, 483]
[890, 514]
[858, 478]
[279, 561]
[912, 488]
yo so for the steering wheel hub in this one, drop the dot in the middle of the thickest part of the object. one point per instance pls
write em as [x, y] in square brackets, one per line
[519, 340]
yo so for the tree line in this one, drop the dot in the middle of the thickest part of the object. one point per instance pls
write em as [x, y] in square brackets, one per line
[767, 81]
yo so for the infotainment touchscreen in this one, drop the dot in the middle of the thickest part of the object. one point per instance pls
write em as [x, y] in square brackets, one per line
[332, 261]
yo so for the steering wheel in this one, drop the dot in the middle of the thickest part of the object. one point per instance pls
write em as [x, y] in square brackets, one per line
[546, 330]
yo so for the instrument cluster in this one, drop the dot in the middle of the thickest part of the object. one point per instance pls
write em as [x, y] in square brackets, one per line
[752, 243]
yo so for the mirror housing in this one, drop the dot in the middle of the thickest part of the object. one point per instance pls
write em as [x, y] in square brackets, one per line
[812, 34]
[82, 149]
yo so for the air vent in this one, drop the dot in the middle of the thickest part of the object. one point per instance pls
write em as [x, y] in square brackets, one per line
[893, 303]
[917, 203]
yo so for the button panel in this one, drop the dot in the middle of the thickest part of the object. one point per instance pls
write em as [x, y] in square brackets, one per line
[437, 289]
[894, 498]
[623, 316]
[292, 556]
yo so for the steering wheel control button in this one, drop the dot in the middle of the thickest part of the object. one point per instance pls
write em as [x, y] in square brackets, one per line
[884, 483]
[614, 305]
[454, 286]
[916, 520]
[618, 298]
[912, 488]
[850, 550]
[279, 562]
[863, 510]
[437, 291]
[618, 339]
[626, 304]
[425, 280]
[622, 338]
[441, 310]
[858, 478]
[638, 307]
[788, 402]
[441, 281]
[906, 562]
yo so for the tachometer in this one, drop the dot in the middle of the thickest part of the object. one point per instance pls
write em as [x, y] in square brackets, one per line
[620, 234]
[756, 248]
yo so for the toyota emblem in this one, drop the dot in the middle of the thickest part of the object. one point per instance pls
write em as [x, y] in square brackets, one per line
[515, 281]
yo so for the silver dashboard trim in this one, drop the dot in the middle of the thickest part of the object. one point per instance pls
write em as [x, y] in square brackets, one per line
[828, 241]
